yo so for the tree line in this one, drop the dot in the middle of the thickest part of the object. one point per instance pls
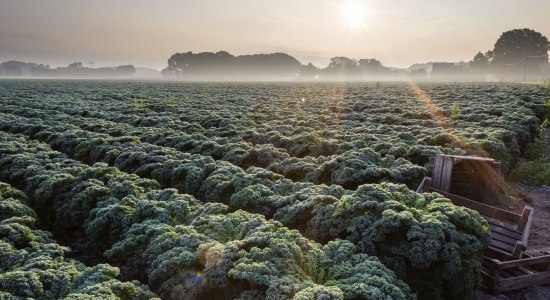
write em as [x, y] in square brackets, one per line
[519, 54]
[77, 69]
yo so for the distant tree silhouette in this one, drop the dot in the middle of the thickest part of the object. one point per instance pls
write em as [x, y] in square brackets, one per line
[342, 66]
[479, 65]
[125, 70]
[371, 67]
[223, 65]
[515, 45]
[75, 65]
[520, 52]
[419, 74]
[17, 68]
[309, 72]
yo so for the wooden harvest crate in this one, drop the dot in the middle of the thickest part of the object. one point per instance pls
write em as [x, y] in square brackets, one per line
[507, 273]
[505, 266]
[475, 178]
[509, 231]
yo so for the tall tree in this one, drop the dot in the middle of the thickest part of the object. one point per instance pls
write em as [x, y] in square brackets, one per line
[515, 45]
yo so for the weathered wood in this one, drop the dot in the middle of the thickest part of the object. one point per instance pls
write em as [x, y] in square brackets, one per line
[525, 217]
[527, 229]
[476, 178]
[509, 226]
[420, 188]
[510, 273]
[515, 283]
[506, 266]
[522, 262]
[503, 238]
[518, 249]
[483, 209]
[446, 174]
[504, 246]
[477, 158]
[438, 170]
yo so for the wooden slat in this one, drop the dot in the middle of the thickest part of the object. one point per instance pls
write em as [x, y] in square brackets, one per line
[496, 252]
[507, 225]
[525, 216]
[505, 231]
[524, 262]
[511, 273]
[493, 253]
[503, 246]
[521, 282]
[438, 170]
[527, 229]
[524, 270]
[483, 209]
[503, 238]
[487, 280]
[472, 158]
[518, 249]
[446, 175]
[420, 188]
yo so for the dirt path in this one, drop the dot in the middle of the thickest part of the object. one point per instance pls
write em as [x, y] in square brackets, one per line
[539, 239]
[519, 196]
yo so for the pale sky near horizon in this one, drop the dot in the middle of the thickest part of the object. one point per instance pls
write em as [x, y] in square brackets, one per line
[145, 33]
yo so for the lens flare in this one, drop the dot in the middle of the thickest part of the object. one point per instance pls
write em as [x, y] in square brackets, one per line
[199, 278]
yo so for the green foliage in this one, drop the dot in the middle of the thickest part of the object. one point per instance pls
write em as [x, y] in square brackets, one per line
[139, 103]
[256, 149]
[415, 234]
[32, 265]
[455, 111]
[172, 102]
[182, 247]
[535, 172]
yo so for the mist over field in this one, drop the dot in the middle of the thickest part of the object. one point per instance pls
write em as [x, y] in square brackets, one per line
[340, 40]
[289, 150]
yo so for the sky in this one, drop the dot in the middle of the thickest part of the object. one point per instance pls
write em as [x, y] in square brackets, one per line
[145, 33]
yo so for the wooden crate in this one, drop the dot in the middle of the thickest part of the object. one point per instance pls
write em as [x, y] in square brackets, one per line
[474, 178]
[509, 230]
[506, 266]
[507, 273]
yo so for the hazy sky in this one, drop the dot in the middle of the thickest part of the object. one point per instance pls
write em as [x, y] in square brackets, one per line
[146, 33]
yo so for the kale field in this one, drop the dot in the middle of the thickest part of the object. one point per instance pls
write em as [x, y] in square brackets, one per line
[137, 190]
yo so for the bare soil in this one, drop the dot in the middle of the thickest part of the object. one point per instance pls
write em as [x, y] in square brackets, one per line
[520, 195]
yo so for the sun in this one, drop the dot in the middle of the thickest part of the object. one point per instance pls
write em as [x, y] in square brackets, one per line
[354, 12]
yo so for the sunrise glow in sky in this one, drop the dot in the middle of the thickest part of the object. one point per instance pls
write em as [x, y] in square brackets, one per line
[146, 33]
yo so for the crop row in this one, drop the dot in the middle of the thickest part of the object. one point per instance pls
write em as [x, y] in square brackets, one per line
[331, 119]
[33, 265]
[420, 238]
[180, 246]
[381, 163]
